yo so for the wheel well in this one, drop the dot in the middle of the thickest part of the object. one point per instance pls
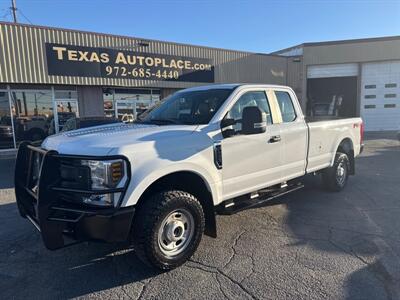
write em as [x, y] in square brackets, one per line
[346, 146]
[191, 183]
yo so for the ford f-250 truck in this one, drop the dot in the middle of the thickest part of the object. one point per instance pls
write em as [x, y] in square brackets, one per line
[160, 181]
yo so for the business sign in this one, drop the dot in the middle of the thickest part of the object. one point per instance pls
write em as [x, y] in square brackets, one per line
[68, 60]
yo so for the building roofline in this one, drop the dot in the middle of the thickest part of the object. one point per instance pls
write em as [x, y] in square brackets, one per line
[132, 37]
[339, 42]
[287, 49]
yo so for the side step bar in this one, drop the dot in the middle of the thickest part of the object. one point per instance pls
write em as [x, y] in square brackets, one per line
[255, 199]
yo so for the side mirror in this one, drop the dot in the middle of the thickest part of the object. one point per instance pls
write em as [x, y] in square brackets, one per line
[227, 122]
[253, 120]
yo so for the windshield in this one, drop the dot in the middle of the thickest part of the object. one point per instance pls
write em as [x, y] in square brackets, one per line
[190, 107]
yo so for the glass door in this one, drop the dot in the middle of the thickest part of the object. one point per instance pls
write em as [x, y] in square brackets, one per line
[128, 104]
[125, 110]
[66, 110]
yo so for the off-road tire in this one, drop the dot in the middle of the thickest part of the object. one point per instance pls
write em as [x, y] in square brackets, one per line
[148, 221]
[331, 178]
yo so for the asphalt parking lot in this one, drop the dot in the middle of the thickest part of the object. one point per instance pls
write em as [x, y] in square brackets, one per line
[310, 245]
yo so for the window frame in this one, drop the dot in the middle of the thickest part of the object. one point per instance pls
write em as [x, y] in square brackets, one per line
[294, 104]
[252, 90]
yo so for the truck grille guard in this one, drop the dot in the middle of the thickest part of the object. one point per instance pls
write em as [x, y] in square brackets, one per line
[47, 204]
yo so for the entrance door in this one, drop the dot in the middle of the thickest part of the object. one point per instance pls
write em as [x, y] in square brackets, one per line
[125, 110]
[66, 109]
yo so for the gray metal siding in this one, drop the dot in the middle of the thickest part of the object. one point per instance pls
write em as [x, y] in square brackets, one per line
[352, 52]
[295, 75]
[23, 59]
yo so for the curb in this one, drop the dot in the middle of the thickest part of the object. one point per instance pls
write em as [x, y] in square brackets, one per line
[7, 196]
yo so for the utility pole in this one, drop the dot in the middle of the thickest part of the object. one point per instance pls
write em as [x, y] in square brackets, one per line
[14, 10]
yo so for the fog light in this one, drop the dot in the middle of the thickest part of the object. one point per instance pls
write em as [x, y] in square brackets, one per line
[100, 200]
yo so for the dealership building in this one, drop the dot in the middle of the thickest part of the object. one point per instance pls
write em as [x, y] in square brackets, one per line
[49, 75]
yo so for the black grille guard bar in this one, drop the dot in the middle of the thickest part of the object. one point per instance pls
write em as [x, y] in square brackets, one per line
[40, 203]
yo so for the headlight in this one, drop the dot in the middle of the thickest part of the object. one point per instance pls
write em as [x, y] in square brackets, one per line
[105, 174]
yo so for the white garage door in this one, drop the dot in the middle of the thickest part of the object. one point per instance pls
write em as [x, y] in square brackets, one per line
[380, 96]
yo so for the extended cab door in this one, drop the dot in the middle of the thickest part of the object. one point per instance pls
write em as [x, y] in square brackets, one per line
[251, 162]
[293, 131]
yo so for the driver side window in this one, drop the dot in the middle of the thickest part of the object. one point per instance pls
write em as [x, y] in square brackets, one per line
[256, 98]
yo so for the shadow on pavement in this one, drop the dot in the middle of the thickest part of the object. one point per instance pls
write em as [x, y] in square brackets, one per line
[357, 222]
[26, 267]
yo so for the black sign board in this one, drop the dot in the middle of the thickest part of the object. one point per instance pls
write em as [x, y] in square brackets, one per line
[68, 60]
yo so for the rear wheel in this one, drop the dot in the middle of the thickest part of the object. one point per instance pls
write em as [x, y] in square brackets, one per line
[168, 228]
[335, 178]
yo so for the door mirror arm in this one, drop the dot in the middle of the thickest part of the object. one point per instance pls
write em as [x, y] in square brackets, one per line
[227, 122]
[227, 132]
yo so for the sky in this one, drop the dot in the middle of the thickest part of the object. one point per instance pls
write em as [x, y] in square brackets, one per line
[255, 26]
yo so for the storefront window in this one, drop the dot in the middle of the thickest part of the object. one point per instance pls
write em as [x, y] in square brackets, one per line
[155, 96]
[127, 104]
[108, 98]
[72, 94]
[6, 133]
[32, 114]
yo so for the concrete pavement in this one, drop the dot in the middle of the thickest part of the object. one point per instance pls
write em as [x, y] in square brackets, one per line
[310, 244]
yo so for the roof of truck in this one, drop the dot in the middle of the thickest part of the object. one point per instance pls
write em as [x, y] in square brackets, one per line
[233, 86]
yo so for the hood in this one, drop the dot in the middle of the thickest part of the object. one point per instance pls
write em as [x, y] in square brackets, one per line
[101, 140]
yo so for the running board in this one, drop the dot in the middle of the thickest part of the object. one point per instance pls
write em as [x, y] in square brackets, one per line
[258, 198]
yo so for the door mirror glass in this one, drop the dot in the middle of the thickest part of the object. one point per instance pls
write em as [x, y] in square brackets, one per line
[253, 120]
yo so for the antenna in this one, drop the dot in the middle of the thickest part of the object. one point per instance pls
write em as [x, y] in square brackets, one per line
[14, 10]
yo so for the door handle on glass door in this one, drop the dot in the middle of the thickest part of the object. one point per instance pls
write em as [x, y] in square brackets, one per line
[275, 139]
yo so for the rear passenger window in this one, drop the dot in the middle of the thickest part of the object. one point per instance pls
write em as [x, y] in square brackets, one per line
[286, 106]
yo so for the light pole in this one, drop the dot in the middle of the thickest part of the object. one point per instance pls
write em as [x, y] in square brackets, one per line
[14, 10]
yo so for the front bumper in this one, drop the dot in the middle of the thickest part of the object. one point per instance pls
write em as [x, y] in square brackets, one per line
[60, 221]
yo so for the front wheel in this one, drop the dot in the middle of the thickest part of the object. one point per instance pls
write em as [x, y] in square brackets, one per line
[335, 178]
[168, 228]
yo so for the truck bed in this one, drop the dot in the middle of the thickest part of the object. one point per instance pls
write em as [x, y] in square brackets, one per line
[324, 137]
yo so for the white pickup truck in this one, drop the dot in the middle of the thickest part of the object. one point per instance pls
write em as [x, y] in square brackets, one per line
[160, 181]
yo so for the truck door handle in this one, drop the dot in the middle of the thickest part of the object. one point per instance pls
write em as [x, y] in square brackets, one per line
[275, 139]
